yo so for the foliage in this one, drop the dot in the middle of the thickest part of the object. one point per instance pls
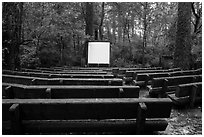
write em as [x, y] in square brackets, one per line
[54, 33]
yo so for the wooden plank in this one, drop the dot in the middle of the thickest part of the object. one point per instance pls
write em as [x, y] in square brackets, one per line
[56, 81]
[105, 92]
[158, 82]
[102, 126]
[80, 76]
[22, 91]
[55, 109]
[112, 82]
[41, 124]
[183, 90]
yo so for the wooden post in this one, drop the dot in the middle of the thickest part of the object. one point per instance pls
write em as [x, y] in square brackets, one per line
[9, 92]
[121, 92]
[61, 82]
[164, 90]
[33, 82]
[146, 80]
[115, 71]
[48, 93]
[193, 96]
[109, 82]
[141, 117]
[16, 127]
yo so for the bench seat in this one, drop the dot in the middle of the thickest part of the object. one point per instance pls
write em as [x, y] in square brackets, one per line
[49, 91]
[36, 116]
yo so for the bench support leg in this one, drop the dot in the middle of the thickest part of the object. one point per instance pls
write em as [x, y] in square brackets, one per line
[9, 92]
[141, 117]
[163, 93]
[48, 93]
[16, 127]
[193, 96]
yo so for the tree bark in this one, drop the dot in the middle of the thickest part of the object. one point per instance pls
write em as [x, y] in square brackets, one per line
[182, 54]
[89, 18]
[144, 33]
[101, 23]
[88, 30]
[12, 15]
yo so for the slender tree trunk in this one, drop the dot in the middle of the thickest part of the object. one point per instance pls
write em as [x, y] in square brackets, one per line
[119, 28]
[144, 34]
[114, 30]
[128, 34]
[89, 18]
[132, 25]
[182, 54]
[101, 23]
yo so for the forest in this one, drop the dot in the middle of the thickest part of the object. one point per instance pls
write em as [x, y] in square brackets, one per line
[49, 34]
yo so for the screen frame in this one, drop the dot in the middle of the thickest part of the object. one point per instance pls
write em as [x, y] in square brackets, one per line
[99, 64]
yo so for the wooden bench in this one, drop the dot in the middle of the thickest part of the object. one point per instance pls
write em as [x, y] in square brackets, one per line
[26, 92]
[187, 94]
[140, 80]
[50, 75]
[81, 76]
[25, 73]
[47, 116]
[127, 72]
[134, 74]
[60, 81]
[145, 78]
[161, 86]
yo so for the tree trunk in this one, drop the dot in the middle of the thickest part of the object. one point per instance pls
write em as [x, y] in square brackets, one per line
[114, 30]
[182, 52]
[144, 34]
[88, 30]
[101, 24]
[13, 30]
[119, 28]
[89, 18]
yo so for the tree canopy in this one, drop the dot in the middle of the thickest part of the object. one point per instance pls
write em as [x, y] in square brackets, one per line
[54, 33]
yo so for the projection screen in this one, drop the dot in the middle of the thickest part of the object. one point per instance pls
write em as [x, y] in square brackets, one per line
[98, 52]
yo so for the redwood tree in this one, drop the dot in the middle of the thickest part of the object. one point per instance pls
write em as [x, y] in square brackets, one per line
[182, 54]
[12, 33]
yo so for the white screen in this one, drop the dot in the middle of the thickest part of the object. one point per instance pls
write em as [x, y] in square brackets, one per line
[98, 52]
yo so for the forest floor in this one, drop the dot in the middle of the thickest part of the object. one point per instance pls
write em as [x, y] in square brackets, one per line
[183, 121]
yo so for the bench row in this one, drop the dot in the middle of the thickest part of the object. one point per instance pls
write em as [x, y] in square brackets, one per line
[74, 68]
[129, 72]
[23, 92]
[143, 79]
[46, 116]
[55, 72]
[49, 75]
[163, 85]
[60, 81]
[93, 69]
[189, 94]
[129, 76]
